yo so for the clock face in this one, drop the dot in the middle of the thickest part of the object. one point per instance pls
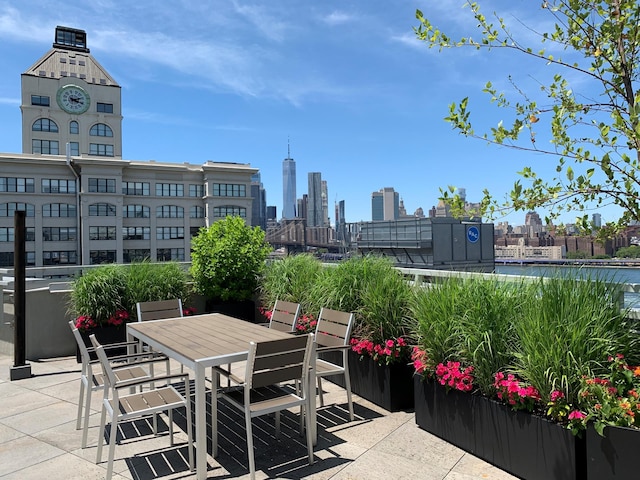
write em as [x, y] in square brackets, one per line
[73, 99]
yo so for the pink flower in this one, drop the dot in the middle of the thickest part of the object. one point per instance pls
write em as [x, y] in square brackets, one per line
[576, 415]
[556, 395]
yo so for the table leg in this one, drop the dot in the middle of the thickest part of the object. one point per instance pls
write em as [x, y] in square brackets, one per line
[201, 423]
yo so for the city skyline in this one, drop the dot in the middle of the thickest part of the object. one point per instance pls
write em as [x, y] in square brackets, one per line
[360, 98]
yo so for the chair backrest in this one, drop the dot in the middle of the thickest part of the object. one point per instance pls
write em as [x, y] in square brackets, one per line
[284, 316]
[277, 361]
[84, 351]
[159, 310]
[109, 376]
[333, 328]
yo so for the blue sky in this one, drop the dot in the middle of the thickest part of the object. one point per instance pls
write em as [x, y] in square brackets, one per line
[345, 82]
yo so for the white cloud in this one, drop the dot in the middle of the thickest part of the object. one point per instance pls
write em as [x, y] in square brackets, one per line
[337, 18]
[10, 101]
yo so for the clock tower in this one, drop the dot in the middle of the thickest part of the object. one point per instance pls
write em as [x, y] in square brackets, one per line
[68, 97]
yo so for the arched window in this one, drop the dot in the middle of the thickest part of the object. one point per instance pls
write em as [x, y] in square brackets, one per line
[73, 127]
[9, 209]
[44, 125]
[196, 212]
[102, 210]
[59, 210]
[169, 211]
[101, 130]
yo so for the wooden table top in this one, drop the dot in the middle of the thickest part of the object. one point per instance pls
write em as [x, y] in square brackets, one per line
[215, 337]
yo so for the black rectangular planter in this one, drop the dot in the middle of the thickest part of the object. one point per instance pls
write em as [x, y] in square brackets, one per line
[525, 445]
[105, 335]
[612, 457]
[388, 386]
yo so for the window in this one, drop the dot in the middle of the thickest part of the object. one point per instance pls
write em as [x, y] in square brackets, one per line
[97, 257]
[170, 254]
[135, 211]
[196, 212]
[229, 190]
[136, 233]
[74, 149]
[135, 188]
[229, 210]
[9, 209]
[101, 130]
[73, 127]
[6, 234]
[44, 147]
[102, 185]
[58, 210]
[193, 231]
[19, 185]
[52, 185]
[59, 257]
[169, 190]
[102, 210]
[44, 125]
[59, 234]
[102, 233]
[104, 107]
[136, 255]
[169, 211]
[6, 259]
[40, 100]
[30, 234]
[100, 150]
[196, 190]
[169, 233]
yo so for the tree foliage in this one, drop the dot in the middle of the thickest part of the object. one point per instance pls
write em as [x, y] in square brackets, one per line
[593, 124]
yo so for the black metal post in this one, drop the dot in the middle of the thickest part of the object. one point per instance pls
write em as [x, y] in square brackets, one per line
[20, 368]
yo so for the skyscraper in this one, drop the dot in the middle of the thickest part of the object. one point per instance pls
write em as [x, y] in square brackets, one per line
[288, 186]
[314, 207]
[326, 221]
[385, 204]
[259, 205]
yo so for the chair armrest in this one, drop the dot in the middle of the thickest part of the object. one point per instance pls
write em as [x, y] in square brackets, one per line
[226, 373]
[158, 357]
[145, 361]
[142, 381]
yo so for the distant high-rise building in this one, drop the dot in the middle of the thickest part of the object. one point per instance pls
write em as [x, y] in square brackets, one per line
[443, 210]
[302, 206]
[596, 218]
[341, 222]
[259, 206]
[315, 215]
[288, 186]
[385, 204]
[326, 221]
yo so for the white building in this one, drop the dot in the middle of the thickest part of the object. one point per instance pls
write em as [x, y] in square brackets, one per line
[93, 206]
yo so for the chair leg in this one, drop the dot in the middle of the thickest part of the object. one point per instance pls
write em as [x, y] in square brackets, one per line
[215, 386]
[192, 466]
[103, 419]
[320, 392]
[80, 402]
[347, 384]
[87, 411]
[170, 427]
[252, 465]
[113, 433]
[309, 432]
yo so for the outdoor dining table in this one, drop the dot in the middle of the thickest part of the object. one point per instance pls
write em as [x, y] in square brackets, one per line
[203, 341]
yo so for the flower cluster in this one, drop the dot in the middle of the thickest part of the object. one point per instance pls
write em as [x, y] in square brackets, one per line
[118, 318]
[386, 353]
[614, 400]
[453, 376]
[420, 361]
[306, 324]
[514, 392]
[85, 322]
[188, 311]
[266, 313]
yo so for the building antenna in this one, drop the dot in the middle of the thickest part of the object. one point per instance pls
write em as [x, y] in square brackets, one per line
[288, 149]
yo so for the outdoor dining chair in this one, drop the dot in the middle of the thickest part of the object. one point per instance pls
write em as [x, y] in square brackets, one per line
[284, 318]
[127, 367]
[159, 310]
[122, 407]
[333, 332]
[260, 392]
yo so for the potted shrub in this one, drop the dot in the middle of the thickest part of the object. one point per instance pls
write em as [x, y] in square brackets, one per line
[103, 299]
[522, 419]
[227, 259]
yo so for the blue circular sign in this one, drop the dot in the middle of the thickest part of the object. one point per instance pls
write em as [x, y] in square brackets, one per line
[473, 234]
